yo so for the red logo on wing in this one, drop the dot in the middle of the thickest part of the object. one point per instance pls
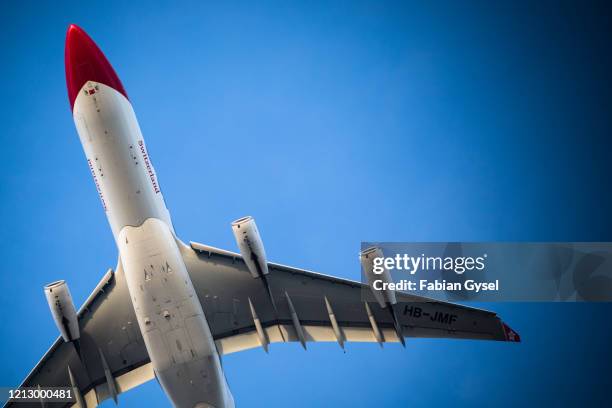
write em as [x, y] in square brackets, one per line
[510, 334]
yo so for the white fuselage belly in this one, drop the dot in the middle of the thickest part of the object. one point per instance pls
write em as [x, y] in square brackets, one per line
[170, 316]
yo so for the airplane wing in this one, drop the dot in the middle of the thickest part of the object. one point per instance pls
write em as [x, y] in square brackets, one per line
[243, 313]
[298, 305]
[111, 347]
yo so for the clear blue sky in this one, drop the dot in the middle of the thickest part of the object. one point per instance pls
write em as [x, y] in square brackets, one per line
[331, 124]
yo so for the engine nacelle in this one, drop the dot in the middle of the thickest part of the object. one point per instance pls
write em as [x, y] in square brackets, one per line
[250, 245]
[63, 311]
[366, 257]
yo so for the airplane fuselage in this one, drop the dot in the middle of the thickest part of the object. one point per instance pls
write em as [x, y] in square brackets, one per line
[169, 314]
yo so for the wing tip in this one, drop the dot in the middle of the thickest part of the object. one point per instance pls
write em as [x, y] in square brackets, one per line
[510, 335]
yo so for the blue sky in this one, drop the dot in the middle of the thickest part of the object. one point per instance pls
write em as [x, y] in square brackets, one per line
[331, 123]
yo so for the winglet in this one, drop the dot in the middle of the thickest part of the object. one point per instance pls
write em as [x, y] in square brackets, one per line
[510, 334]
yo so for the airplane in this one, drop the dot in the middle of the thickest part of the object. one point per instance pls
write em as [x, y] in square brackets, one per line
[171, 310]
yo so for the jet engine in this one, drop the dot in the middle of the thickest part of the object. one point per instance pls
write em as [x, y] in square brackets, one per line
[251, 246]
[63, 311]
[366, 257]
